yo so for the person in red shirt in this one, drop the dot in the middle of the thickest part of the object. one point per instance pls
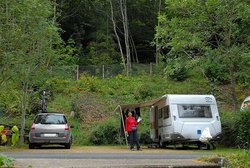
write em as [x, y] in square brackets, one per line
[131, 130]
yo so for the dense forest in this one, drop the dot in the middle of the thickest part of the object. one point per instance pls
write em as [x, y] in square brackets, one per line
[201, 46]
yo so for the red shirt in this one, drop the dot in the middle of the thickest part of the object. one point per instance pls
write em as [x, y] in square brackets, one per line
[130, 122]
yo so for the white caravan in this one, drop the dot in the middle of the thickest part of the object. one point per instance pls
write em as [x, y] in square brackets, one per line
[183, 118]
[179, 118]
[246, 103]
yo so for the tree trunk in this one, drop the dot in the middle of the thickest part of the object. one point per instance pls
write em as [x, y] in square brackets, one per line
[232, 68]
[53, 21]
[24, 105]
[116, 34]
[157, 54]
[134, 49]
[123, 6]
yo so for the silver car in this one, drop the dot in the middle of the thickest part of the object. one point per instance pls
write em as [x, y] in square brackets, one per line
[50, 128]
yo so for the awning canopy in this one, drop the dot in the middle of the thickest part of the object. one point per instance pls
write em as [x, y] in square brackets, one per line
[140, 105]
[124, 107]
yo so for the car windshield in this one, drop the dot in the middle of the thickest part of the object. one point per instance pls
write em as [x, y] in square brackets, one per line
[194, 111]
[50, 119]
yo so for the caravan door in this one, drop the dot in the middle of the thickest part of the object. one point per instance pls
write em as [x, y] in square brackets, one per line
[154, 123]
[167, 124]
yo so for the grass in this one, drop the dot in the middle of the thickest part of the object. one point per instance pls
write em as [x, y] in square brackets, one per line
[237, 158]
[6, 161]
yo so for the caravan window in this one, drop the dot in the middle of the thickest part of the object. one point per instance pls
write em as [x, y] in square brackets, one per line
[194, 111]
[166, 112]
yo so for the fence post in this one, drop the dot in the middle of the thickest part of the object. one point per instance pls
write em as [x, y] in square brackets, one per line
[103, 72]
[150, 66]
[77, 72]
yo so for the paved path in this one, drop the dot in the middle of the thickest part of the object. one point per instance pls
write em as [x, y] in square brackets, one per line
[105, 157]
[91, 163]
[135, 155]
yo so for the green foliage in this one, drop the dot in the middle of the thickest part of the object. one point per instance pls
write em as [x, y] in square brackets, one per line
[216, 30]
[67, 54]
[240, 160]
[14, 138]
[103, 51]
[10, 100]
[106, 133]
[215, 70]
[237, 158]
[92, 30]
[235, 129]
[229, 128]
[142, 92]
[15, 135]
[176, 70]
[3, 139]
[243, 138]
[144, 134]
[6, 161]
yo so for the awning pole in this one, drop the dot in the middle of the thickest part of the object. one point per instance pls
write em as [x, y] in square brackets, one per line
[123, 125]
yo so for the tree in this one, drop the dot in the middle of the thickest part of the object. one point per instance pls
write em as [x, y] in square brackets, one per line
[28, 34]
[116, 34]
[83, 20]
[123, 8]
[196, 29]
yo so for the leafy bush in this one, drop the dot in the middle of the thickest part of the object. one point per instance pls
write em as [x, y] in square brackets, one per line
[176, 70]
[106, 133]
[142, 92]
[144, 135]
[6, 161]
[229, 128]
[243, 138]
[235, 129]
[216, 70]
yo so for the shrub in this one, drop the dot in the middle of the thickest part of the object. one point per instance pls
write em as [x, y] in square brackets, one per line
[106, 133]
[239, 160]
[142, 92]
[216, 70]
[243, 138]
[229, 128]
[176, 70]
[144, 135]
[235, 129]
[6, 161]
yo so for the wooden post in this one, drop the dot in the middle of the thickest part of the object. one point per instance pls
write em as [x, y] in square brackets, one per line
[103, 72]
[77, 72]
[123, 122]
[150, 68]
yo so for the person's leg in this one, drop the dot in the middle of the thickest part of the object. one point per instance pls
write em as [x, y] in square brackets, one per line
[131, 140]
[136, 140]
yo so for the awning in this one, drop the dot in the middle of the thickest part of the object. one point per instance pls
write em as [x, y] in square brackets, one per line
[124, 107]
[139, 105]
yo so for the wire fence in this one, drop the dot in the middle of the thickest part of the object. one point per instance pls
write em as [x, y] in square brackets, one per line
[106, 71]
